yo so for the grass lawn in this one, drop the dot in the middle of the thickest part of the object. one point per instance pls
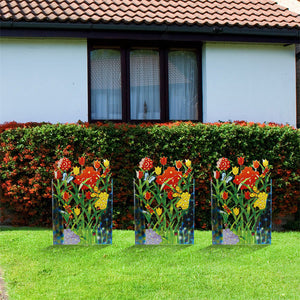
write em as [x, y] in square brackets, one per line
[35, 269]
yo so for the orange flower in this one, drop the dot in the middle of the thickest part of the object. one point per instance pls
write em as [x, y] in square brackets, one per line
[66, 196]
[178, 164]
[227, 209]
[225, 195]
[170, 177]
[163, 161]
[241, 160]
[248, 176]
[255, 164]
[81, 160]
[148, 196]
[88, 176]
[97, 164]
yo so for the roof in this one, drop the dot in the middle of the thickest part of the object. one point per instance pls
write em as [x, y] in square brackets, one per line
[242, 13]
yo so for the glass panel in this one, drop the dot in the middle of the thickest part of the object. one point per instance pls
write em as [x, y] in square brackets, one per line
[106, 97]
[144, 85]
[164, 203]
[241, 204]
[82, 203]
[183, 85]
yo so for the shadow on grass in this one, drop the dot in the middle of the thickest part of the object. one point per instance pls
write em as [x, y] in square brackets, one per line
[75, 247]
[230, 250]
[151, 248]
[12, 228]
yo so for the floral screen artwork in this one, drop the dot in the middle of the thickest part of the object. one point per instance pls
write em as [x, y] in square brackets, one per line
[82, 203]
[241, 203]
[164, 203]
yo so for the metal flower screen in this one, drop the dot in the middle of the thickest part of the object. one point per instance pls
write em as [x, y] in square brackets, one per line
[82, 202]
[241, 203]
[164, 203]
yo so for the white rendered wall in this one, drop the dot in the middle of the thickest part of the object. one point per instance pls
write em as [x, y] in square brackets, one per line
[43, 80]
[249, 82]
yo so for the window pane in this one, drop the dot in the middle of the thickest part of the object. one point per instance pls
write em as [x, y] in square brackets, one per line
[144, 85]
[106, 99]
[183, 85]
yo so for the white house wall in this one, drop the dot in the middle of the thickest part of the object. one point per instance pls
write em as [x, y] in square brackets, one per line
[47, 80]
[249, 82]
[43, 80]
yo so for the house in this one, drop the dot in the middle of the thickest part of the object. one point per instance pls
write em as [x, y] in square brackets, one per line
[147, 60]
[294, 5]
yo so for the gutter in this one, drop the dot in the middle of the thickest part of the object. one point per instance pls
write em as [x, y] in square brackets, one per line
[85, 29]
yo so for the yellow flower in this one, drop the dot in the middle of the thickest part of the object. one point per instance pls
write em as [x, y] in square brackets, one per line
[188, 163]
[101, 198]
[235, 170]
[77, 211]
[76, 170]
[265, 163]
[184, 201]
[157, 170]
[236, 211]
[261, 201]
[106, 163]
[178, 189]
[255, 194]
[159, 211]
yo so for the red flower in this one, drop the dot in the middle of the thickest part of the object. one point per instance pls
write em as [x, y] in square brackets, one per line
[225, 195]
[88, 195]
[81, 160]
[97, 164]
[170, 195]
[57, 174]
[66, 196]
[247, 195]
[64, 164]
[163, 160]
[188, 171]
[255, 164]
[88, 176]
[146, 164]
[248, 176]
[139, 174]
[241, 160]
[169, 177]
[148, 196]
[223, 164]
[217, 174]
[178, 164]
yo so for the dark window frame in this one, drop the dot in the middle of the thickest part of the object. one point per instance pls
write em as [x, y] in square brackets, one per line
[163, 48]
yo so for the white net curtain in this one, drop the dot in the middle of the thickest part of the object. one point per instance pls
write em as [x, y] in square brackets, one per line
[144, 65]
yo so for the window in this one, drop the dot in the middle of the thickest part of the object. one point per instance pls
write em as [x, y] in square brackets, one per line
[144, 84]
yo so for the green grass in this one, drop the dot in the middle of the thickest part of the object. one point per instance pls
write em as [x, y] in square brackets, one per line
[34, 269]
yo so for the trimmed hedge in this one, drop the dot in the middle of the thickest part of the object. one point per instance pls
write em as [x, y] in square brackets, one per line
[29, 151]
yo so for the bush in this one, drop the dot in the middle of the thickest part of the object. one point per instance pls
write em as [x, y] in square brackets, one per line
[29, 151]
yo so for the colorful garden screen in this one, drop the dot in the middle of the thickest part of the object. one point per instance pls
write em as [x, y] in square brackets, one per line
[82, 203]
[241, 203]
[164, 203]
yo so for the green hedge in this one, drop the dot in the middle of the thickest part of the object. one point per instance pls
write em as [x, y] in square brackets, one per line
[29, 151]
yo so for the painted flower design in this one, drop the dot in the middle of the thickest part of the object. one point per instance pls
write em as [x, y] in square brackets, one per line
[261, 201]
[227, 209]
[170, 177]
[223, 164]
[76, 170]
[159, 211]
[247, 177]
[163, 160]
[183, 203]
[146, 164]
[81, 160]
[106, 163]
[188, 163]
[77, 211]
[101, 197]
[236, 211]
[178, 164]
[97, 164]
[235, 170]
[241, 160]
[158, 170]
[255, 164]
[64, 164]
[88, 177]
